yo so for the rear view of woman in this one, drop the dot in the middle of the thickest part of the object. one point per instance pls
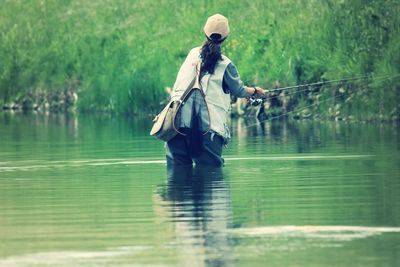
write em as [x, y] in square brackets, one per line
[202, 119]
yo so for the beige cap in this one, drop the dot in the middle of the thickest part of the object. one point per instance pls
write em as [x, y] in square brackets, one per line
[217, 24]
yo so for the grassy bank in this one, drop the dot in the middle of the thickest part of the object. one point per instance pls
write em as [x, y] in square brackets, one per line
[120, 55]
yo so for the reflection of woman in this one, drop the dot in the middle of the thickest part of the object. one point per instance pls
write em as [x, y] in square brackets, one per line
[203, 120]
[198, 202]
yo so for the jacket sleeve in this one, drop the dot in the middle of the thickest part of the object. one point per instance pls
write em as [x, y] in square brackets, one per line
[232, 84]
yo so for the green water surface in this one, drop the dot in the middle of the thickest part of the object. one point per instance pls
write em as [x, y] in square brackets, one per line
[93, 190]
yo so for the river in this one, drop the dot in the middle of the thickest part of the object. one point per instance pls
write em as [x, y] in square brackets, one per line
[93, 190]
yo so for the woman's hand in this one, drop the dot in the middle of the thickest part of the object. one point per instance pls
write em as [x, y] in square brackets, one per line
[259, 91]
[256, 91]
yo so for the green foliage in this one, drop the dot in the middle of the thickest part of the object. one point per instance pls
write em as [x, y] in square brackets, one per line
[120, 55]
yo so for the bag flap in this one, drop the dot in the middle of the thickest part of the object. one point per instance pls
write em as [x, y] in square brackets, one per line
[159, 119]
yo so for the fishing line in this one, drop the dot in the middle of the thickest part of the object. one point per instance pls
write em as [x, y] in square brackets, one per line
[317, 103]
[295, 110]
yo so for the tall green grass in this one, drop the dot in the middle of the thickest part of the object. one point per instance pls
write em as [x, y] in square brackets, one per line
[120, 55]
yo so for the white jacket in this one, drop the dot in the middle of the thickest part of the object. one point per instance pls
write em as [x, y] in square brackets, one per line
[218, 102]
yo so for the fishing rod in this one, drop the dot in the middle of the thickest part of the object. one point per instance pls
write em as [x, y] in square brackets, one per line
[308, 106]
[277, 96]
[255, 101]
[326, 82]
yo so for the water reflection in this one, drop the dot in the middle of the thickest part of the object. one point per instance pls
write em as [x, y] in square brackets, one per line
[305, 135]
[199, 205]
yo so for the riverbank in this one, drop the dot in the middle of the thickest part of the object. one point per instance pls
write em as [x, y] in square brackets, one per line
[43, 101]
[337, 103]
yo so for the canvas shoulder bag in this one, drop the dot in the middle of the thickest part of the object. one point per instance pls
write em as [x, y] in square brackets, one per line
[164, 127]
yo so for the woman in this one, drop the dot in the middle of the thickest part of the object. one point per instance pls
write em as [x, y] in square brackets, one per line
[202, 120]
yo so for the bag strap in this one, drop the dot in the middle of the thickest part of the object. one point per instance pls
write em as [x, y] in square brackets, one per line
[197, 78]
[194, 84]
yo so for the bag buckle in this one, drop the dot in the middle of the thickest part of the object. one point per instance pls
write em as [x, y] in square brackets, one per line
[156, 118]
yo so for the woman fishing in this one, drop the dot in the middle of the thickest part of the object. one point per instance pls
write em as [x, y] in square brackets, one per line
[202, 120]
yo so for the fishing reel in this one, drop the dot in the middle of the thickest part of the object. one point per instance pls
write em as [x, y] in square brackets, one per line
[255, 101]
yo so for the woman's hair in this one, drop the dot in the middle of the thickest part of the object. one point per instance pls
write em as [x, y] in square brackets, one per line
[210, 53]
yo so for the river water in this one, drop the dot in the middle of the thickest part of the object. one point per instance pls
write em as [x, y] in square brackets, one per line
[93, 190]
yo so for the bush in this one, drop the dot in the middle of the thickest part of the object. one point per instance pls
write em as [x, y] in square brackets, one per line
[124, 53]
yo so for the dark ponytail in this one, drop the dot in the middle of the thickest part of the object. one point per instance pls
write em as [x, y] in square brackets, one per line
[210, 53]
